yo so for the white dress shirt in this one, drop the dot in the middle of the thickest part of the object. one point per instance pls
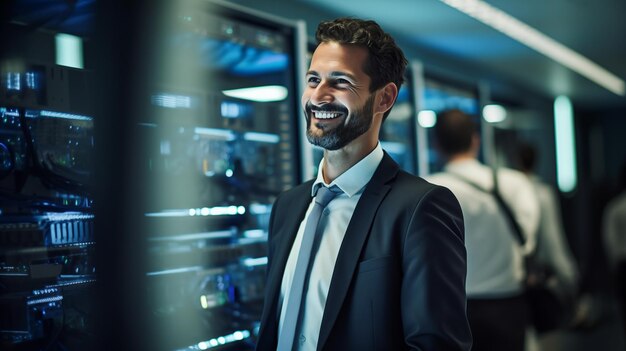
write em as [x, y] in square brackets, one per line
[552, 247]
[495, 266]
[334, 222]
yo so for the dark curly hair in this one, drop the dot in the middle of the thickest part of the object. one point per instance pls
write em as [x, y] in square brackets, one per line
[385, 63]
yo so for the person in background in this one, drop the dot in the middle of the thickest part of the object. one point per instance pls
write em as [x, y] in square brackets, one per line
[389, 271]
[614, 239]
[552, 249]
[496, 306]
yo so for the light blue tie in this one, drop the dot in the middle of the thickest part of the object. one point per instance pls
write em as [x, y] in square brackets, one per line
[300, 276]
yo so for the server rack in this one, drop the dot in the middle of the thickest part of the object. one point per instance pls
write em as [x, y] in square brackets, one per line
[47, 237]
[197, 153]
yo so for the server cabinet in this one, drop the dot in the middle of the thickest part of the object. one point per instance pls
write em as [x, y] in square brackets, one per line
[398, 134]
[47, 237]
[209, 138]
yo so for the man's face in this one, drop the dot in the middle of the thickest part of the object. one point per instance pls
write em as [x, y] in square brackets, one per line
[337, 104]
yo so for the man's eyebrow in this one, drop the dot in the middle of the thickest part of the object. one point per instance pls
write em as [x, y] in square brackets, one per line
[333, 74]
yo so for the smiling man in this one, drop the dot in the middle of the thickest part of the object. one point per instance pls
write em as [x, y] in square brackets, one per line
[365, 256]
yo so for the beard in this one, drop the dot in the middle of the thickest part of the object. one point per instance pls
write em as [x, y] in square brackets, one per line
[336, 138]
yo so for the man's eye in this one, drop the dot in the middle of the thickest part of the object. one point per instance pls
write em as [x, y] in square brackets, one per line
[342, 81]
[313, 80]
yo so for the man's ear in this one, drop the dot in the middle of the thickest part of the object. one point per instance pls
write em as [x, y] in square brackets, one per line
[387, 97]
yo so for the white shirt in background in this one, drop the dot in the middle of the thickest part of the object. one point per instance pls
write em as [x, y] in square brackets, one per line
[495, 264]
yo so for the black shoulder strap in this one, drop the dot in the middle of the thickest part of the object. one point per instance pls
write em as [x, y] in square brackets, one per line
[517, 230]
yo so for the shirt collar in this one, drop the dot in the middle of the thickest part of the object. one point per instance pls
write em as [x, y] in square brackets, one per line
[461, 166]
[356, 177]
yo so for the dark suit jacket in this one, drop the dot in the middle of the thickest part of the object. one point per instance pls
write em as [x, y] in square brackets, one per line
[399, 279]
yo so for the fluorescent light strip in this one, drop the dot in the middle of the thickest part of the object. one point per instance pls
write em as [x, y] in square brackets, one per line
[55, 114]
[268, 93]
[214, 132]
[253, 262]
[538, 41]
[44, 300]
[565, 144]
[204, 211]
[254, 233]
[176, 271]
[262, 137]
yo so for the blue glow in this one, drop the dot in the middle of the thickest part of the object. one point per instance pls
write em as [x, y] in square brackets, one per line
[393, 147]
[171, 101]
[9, 112]
[14, 81]
[403, 95]
[254, 233]
[231, 109]
[566, 172]
[439, 99]
[233, 57]
[76, 17]
[260, 61]
[32, 80]
[253, 262]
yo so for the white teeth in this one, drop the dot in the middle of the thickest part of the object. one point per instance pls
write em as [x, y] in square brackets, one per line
[325, 115]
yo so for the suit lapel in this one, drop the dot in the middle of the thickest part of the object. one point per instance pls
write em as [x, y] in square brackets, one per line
[352, 245]
[291, 213]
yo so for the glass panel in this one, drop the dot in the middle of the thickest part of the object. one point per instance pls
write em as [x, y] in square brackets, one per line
[220, 144]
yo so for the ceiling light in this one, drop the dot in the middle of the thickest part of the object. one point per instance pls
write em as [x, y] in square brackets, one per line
[427, 118]
[266, 93]
[69, 50]
[494, 113]
[538, 41]
[565, 140]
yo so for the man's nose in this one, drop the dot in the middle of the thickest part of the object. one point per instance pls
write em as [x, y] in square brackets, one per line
[321, 94]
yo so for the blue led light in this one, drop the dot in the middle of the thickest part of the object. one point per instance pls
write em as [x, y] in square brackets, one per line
[566, 172]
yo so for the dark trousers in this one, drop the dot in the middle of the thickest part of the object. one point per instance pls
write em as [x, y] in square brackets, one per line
[498, 324]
